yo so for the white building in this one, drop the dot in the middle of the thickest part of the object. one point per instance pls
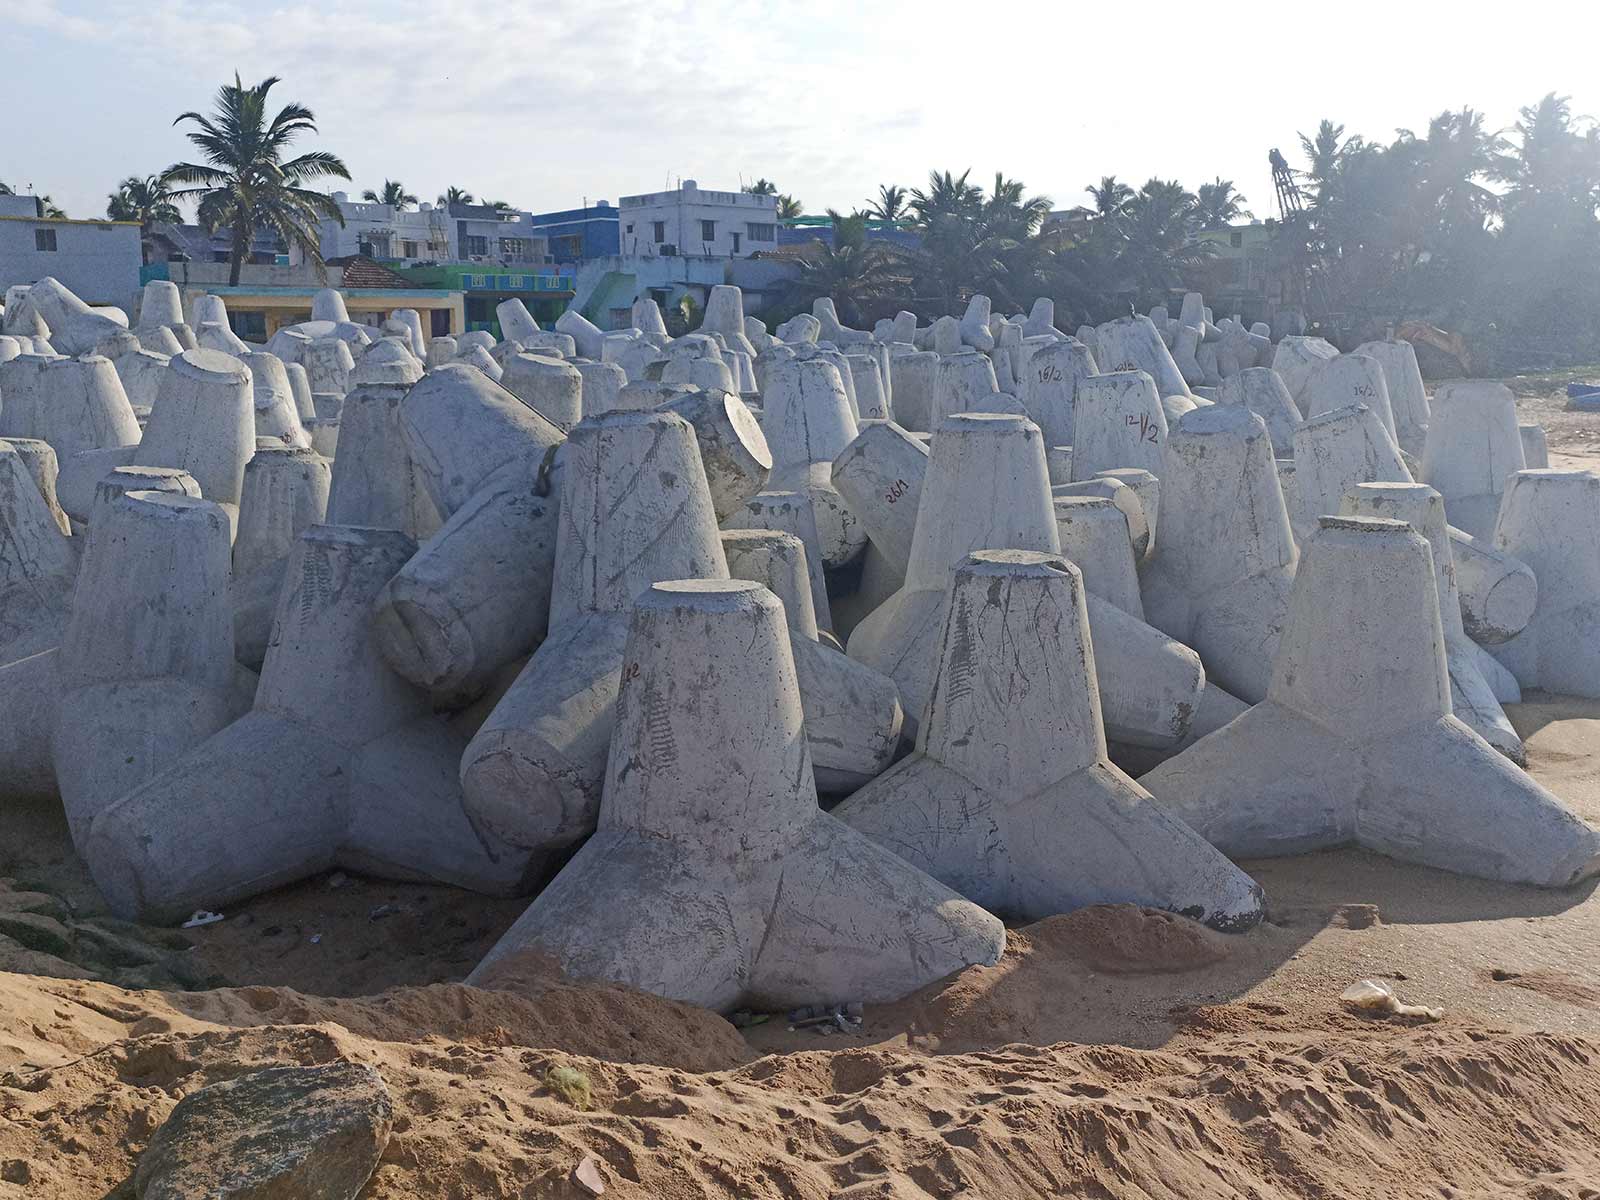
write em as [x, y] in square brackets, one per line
[99, 260]
[384, 232]
[690, 221]
[483, 233]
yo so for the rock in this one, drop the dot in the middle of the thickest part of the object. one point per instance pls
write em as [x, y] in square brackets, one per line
[286, 1133]
[589, 1177]
[37, 932]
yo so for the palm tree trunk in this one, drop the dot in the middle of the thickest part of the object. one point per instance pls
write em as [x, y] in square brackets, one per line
[241, 251]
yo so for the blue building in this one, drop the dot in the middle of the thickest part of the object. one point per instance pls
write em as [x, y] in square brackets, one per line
[580, 233]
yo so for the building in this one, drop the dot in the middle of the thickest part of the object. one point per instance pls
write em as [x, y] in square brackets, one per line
[545, 291]
[269, 297]
[387, 234]
[1241, 276]
[195, 243]
[482, 233]
[99, 260]
[580, 233]
[690, 221]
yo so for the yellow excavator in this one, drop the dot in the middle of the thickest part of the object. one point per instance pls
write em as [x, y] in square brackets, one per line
[1453, 344]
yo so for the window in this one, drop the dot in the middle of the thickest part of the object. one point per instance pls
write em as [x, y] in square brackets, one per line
[735, 243]
[659, 230]
[411, 249]
[763, 231]
[252, 326]
[478, 246]
[1236, 238]
[708, 231]
[570, 245]
[44, 239]
[220, 256]
[362, 248]
[439, 322]
[630, 226]
[513, 249]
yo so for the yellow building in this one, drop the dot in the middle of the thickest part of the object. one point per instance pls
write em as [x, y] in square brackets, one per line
[270, 297]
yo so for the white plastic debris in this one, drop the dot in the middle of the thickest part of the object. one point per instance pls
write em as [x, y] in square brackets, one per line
[1372, 995]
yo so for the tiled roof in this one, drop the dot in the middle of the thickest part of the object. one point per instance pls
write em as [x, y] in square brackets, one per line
[359, 272]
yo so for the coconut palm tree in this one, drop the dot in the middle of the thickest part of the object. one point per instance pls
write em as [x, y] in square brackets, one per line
[850, 268]
[245, 183]
[890, 204]
[454, 195]
[49, 208]
[762, 187]
[147, 201]
[789, 208]
[1217, 204]
[1107, 198]
[394, 194]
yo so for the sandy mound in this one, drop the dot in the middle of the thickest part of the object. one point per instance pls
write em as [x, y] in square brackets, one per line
[1354, 1108]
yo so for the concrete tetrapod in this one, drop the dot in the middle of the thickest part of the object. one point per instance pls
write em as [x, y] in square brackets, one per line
[853, 716]
[340, 762]
[635, 508]
[552, 389]
[285, 493]
[1551, 521]
[1220, 581]
[733, 450]
[1261, 391]
[714, 878]
[1472, 448]
[1133, 344]
[1050, 384]
[1094, 538]
[1010, 798]
[986, 488]
[793, 513]
[807, 421]
[477, 593]
[1355, 741]
[1296, 358]
[376, 481]
[879, 475]
[1472, 694]
[203, 423]
[1348, 380]
[146, 666]
[1408, 399]
[40, 459]
[38, 563]
[1118, 421]
[1333, 452]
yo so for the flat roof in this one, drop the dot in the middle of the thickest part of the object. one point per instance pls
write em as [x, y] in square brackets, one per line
[66, 220]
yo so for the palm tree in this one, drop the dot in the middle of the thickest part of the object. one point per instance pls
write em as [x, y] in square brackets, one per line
[394, 194]
[850, 268]
[948, 195]
[1110, 197]
[49, 208]
[245, 183]
[147, 201]
[1217, 204]
[762, 187]
[500, 205]
[454, 195]
[789, 208]
[890, 204]
[5, 189]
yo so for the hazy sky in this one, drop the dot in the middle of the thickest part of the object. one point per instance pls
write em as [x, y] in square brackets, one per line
[544, 104]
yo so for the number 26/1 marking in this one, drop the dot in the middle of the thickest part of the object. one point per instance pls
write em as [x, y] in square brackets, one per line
[897, 489]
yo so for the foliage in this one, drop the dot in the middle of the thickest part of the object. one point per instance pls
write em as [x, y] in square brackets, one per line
[454, 195]
[789, 208]
[245, 184]
[571, 1084]
[394, 194]
[147, 201]
[762, 187]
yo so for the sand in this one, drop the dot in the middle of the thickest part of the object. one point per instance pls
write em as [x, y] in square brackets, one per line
[1113, 1052]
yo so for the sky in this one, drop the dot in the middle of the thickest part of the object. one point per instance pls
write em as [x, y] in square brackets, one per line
[552, 103]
